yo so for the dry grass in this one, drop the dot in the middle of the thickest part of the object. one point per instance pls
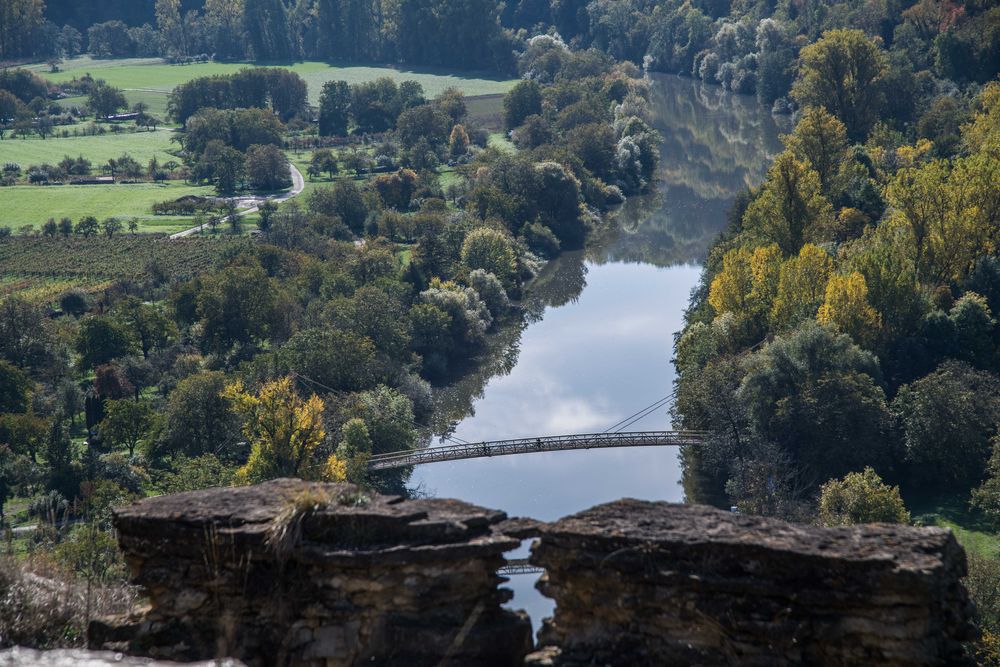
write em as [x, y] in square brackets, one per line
[44, 606]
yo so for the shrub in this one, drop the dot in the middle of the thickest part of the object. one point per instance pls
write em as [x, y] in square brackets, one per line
[861, 497]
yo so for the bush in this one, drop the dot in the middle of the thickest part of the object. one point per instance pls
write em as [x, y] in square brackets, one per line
[540, 240]
[861, 497]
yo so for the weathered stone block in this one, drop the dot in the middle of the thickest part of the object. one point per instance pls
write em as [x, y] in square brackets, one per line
[364, 579]
[640, 583]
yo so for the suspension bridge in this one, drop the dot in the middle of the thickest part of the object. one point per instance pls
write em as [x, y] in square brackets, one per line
[614, 436]
[553, 443]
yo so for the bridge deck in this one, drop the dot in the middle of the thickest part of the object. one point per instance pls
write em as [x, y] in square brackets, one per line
[516, 566]
[553, 443]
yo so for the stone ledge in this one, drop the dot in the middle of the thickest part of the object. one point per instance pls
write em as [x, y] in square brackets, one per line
[655, 583]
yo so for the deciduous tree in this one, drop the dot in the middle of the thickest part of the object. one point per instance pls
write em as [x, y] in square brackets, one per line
[284, 431]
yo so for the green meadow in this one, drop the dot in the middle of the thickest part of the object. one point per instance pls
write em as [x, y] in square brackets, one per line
[34, 204]
[98, 148]
[151, 80]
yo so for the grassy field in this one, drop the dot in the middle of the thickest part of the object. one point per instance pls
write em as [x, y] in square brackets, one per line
[151, 80]
[970, 531]
[98, 149]
[33, 204]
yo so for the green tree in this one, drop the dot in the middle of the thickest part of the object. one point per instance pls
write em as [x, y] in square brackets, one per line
[237, 306]
[198, 420]
[425, 122]
[101, 339]
[229, 167]
[111, 226]
[15, 386]
[267, 168]
[820, 140]
[388, 416]
[324, 160]
[335, 360]
[492, 251]
[814, 394]
[334, 108]
[948, 419]
[523, 100]
[844, 71]
[149, 325]
[87, 226]
[861, 497]
[355, 449]
[126, 423]
[105, 100]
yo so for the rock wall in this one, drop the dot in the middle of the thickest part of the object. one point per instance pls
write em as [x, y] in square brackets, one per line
[640, 583]
[296, 573]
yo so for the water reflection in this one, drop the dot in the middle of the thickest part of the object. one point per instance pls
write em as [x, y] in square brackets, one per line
[595, 342]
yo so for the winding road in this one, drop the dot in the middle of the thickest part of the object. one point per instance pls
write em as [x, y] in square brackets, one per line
[298, 184]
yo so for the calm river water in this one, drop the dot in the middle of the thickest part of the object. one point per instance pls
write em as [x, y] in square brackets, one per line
[597, 341]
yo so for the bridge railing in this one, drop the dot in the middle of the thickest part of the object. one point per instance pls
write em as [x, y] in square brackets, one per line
[529, 445]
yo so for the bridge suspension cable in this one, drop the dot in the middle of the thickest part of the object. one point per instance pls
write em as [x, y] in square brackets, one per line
[641, 414]
[306, 381]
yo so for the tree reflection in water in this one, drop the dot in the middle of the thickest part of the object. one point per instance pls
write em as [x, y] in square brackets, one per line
[714, 144]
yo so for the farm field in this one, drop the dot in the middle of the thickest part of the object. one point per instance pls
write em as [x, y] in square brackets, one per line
[98, 148]
[151, 80]
[34, 204]
[41, 269]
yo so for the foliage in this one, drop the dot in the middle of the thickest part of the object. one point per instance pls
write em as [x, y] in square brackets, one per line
[283, 429]
[102, 339]
[491, 251]
[194, 473]
[861, 497]
[948, 418]
[844, 72]
[199, 420]
[846, 308]
[126, 423]
[790, 208]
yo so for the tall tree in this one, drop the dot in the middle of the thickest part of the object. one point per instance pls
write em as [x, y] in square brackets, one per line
[171, 26]
[790, 206]
[267, 30]
[283, 429]
[844, 72]
[334, 105]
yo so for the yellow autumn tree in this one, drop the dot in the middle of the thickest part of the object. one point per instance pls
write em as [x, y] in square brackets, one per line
[982, 133]
[283, 429]
[790, 208]
[951, 212]
[747, 282]
[847, 309]
[801, 287]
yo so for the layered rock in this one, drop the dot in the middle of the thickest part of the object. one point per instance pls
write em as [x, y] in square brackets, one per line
[640, 583]
[296, 573]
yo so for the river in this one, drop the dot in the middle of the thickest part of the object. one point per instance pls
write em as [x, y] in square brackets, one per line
[596, 342]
